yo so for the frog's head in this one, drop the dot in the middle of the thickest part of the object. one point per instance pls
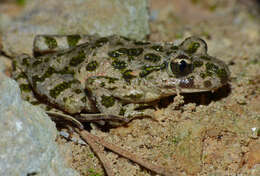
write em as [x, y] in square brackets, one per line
[191, 69]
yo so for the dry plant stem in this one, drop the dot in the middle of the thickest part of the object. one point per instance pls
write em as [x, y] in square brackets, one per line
[98, 152]
[157, 169]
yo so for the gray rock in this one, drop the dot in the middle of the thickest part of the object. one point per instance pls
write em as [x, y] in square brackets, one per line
[27, 143]
[128, 18]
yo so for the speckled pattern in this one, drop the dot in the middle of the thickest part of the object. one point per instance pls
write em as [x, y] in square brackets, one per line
[116, 75]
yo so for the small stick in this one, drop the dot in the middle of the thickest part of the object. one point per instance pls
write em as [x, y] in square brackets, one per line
[157, 169]
[98, 152]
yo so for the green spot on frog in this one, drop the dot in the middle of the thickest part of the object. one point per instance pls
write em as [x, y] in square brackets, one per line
[152, 57]
[127, 75]
[102, 84]
[48, 73]
[114, 54]
[207, 84]
[197, 63]
[205, 57]
[107, 101]
[50, 42]
[122, 111]
[110, 79]
[223, 75]
[66, 70]
[211, 69]
[78, 59]
[73, 40]
[141, 43]
[134, 96]
[202, 75]
[100, 42]
[192, 48]
[174, 48]
[135, 51]
[158, 48]
[77, 91]
[117, 64]
[92, 66]
[55, 92]
[25, 87]
[25, 61]
[123, 50]
[149, 69]
[21, 76]
[125, 38]
[83, 99]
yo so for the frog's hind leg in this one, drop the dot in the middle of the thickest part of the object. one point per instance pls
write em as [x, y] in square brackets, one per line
[44, 44]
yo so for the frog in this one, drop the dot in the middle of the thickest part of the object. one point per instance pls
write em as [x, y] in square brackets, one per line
[113, 79]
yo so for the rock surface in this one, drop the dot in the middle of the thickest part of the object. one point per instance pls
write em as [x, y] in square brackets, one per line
[27, 143]
[127, 18]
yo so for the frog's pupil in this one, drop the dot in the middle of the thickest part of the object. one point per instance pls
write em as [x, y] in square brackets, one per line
[182, 66]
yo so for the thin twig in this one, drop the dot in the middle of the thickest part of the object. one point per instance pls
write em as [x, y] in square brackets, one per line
[97, 151]
[150, 166]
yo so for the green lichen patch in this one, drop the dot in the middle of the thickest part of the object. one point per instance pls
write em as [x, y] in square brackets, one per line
[56, 91]
[107, 101]
[128, 75]
[73, 40]
[76, 60]
[117, 64]
[193, 47]
[152, 57]
[197, 63]
[92, 66]
[50, 42]
[158, 48]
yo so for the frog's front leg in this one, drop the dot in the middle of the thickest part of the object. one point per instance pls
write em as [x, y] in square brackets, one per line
[44, 44]
[112, 110]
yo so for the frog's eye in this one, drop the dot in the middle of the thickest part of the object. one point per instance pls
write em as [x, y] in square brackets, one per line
[180, 67]
[194, 45]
